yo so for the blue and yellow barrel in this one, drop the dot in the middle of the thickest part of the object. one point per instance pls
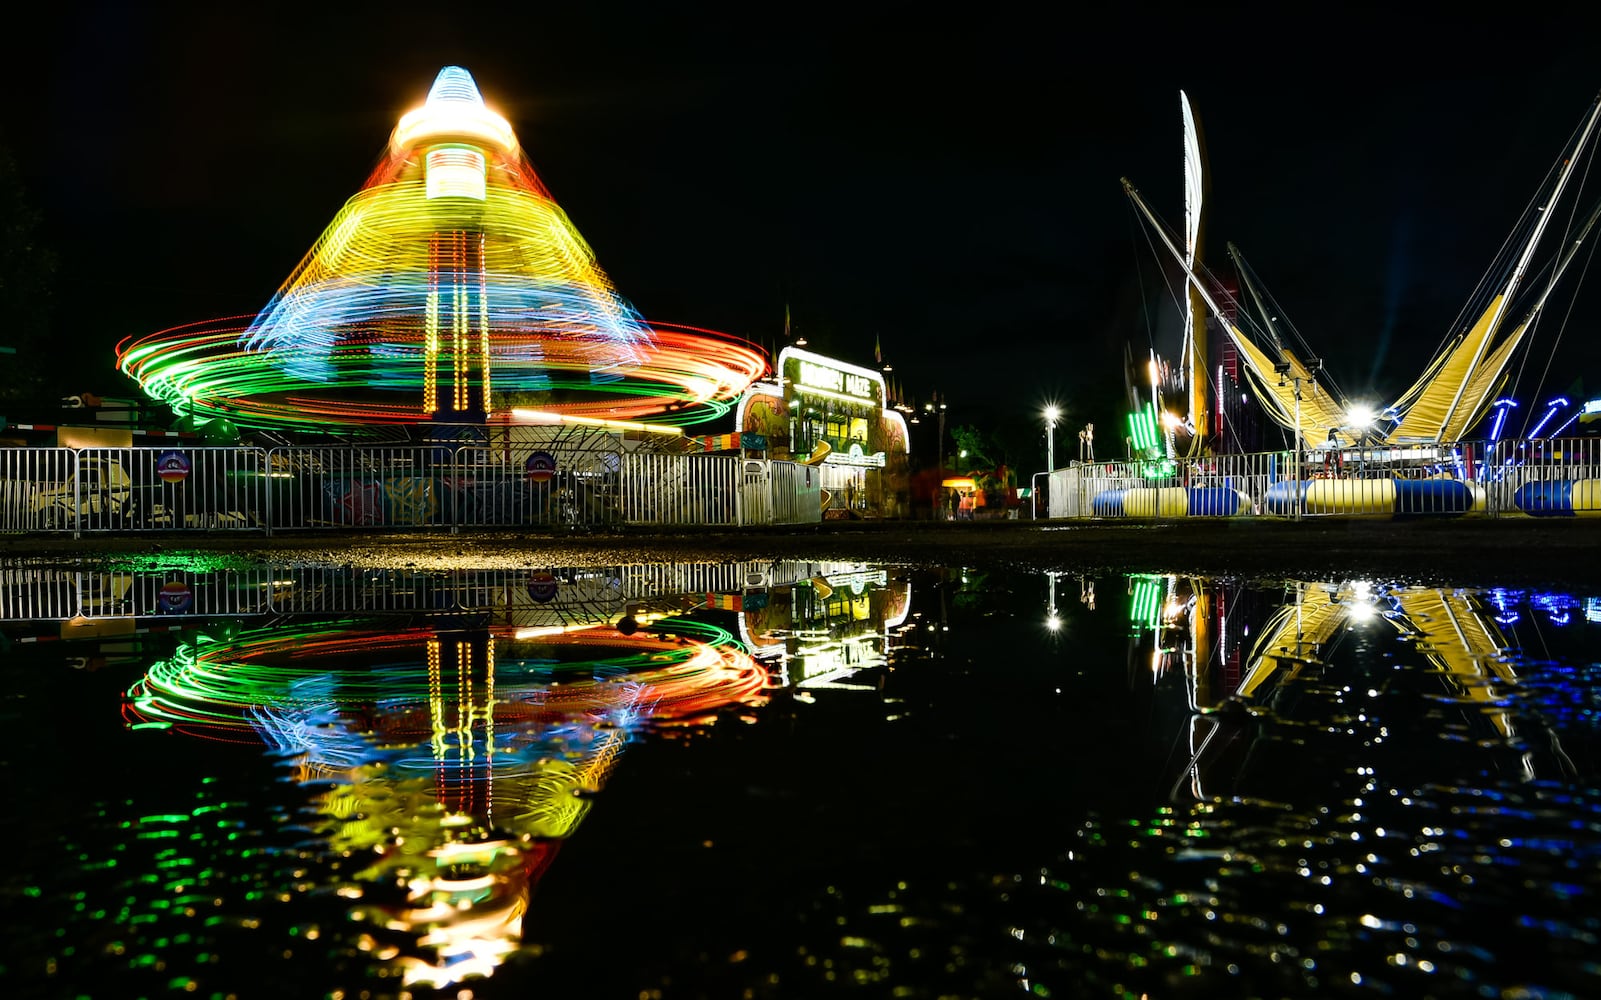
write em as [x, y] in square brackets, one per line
[1560, 498]
[1374, 496]
[1171, 502]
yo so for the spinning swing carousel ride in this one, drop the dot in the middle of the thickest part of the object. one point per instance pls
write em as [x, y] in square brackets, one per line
[450, 289]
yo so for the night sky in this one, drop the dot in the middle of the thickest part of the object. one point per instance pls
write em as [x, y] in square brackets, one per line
[944, 183]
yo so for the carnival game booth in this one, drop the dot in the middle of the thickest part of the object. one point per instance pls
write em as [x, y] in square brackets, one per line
[831, 414]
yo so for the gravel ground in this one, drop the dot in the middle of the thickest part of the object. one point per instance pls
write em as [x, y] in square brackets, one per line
[1457, 552]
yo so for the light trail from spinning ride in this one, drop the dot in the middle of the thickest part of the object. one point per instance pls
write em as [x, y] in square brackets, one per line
[450, 287]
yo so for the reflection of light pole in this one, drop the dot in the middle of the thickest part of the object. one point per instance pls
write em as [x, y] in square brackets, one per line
[1052, 622]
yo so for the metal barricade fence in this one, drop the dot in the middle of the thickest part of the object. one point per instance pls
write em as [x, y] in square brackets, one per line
[1556, 477]
[522, 598]
[63, 594]
[360, 487]
[39, 594]
[492, 487]
[439, 486]
[756, 492]
[133, 489]
[646, 581]
[1377, 481]
[797, 493]
[231, 592]
[834, 483]
[587, 482]
[306, 590]
[40, 489]
[1449, 480]
[680, 490]
[387, 487]
[191, 488]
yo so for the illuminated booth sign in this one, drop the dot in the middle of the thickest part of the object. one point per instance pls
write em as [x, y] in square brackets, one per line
[836, 402]
[815, 376]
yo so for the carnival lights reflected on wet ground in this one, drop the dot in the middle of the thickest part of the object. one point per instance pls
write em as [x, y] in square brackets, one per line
[790, 779]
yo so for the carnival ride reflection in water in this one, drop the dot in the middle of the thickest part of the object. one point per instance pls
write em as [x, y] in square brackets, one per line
[456, 759]
[455, 742]
[1222, 687]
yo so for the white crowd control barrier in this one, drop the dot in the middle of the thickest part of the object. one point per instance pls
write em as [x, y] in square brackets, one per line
[577, 483]
[590, 482]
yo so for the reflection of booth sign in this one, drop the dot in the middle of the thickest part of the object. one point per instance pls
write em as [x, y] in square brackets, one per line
[542, 587]
[175, 598]
[172, 466]
[541, 465]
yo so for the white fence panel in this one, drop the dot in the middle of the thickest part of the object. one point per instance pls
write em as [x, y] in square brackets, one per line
[1325, 482]
[590, 481]
[756, 492]
[364, 487]
[680, 490]
[1557, 477]
[29, 594]
[41, 489]
[797, 493]
[562, 487]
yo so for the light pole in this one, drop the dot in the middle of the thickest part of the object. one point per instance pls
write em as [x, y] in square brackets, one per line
[1283, 371]
[939, 408]
[1051, 413]
[931, 408]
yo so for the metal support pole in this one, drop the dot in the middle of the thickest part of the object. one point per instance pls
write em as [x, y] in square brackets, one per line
[1299, 495]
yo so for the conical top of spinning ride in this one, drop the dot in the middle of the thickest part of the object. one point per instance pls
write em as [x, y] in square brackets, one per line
[450, 287]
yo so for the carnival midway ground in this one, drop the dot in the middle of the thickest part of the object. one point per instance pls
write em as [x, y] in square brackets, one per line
[1459, 552]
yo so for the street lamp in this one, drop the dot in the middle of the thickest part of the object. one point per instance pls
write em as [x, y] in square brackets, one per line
[1051, 413]
[939, 408]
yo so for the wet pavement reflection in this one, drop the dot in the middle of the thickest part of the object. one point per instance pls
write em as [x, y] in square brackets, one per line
[789, 779]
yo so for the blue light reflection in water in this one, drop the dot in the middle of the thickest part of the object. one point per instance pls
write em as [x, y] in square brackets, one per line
[789, 780]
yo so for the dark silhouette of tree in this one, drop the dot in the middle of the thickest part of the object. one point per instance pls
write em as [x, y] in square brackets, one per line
[973, 441]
